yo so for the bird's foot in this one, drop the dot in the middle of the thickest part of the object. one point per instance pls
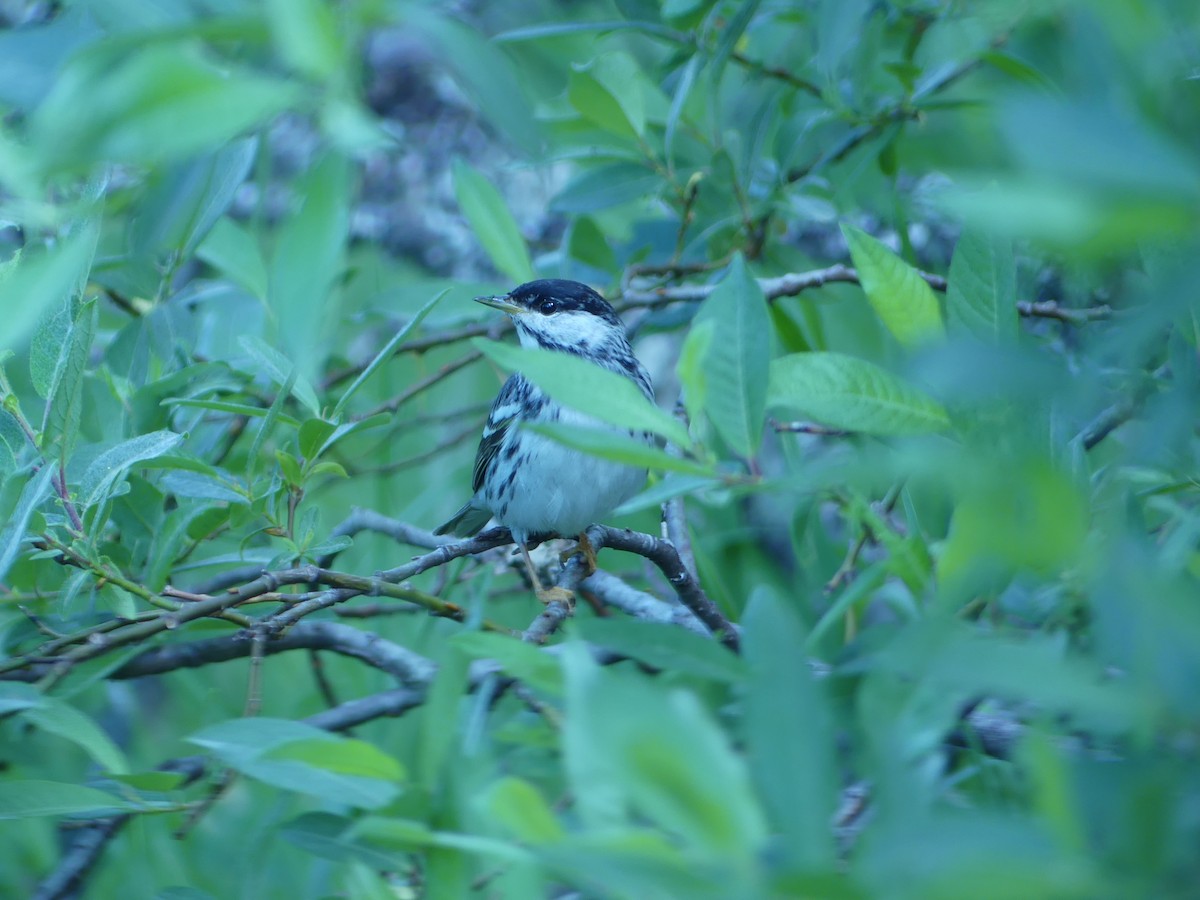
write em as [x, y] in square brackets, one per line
[557, 595]
[583, 547]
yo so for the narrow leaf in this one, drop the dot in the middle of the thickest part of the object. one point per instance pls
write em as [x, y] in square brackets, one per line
[60, 718]
[492, 223]
[308, 260]
[281, 371]
[386, 353]
[36, 282]
[738, 360]
[30, 799]
[620, 448]
[34, 492]
[587, 387]
[790, 733]
[65, 405]
[106, 468]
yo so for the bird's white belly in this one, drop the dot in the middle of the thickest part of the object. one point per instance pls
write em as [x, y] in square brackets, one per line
[562, 490]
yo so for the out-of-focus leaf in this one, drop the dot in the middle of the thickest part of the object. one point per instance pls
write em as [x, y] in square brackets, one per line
[590, 246]
[790, 733]
[150, 104]
[518, 806]
[306, 34]
[106, 468]
[981, 296]
[606, 186]
[59, 717]
[659, 753]
[483, 70]
[851, 394]
[185, 201]
[587, 387]
[386, 353]
[902, 299]
[31, 57]
[38, 281]
[737, 365]
[283, 753]
[235, 252]
[32, 799]
[492, 223]
[666, 647]
[608, 91]
[307, 261]
[524, 661]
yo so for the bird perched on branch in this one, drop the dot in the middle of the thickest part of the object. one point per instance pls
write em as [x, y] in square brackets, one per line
[525, 481]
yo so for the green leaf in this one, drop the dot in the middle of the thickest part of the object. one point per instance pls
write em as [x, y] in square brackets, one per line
[588, 244]
[665, 647]
[305, 32]
[902, 299]
[312, 436]
[58, 717]
[631, 744]
[307, 261]
[608, 92]
[982, 296]
[184, 202]
[530, 664]
[517, 805]
[37, 281]
[285, 754]
[482, 70]
[691, 368]
[587, 387]
[493, 224]
[237, 409]
[106, 468]
[790, 733]
[606, 186]
[619, 448]
[737, 365]
[151, 103]
[36, 490]
[64, 406]
[346, 756]
[852, 394]
[386, 353]
[281, 371]
[31, 799]
[235, 252]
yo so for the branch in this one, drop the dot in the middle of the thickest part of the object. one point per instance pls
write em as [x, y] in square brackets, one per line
[664, 555]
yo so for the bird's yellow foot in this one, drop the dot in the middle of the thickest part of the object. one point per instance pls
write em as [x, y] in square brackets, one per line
[557, 594]
[584, 547]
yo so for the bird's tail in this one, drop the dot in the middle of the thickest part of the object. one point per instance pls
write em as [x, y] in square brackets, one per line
[466, 522]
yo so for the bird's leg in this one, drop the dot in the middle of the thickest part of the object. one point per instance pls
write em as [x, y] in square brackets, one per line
[545, 594]
[584, 547]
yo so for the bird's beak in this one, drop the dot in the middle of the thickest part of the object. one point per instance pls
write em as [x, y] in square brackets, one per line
[501, 303]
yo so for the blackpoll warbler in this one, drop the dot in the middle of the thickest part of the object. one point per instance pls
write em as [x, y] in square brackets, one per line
[527, 482]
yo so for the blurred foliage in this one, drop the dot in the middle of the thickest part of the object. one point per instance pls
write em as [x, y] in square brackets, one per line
[977, 494]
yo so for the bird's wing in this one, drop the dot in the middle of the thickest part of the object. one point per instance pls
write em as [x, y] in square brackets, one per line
[504, 412]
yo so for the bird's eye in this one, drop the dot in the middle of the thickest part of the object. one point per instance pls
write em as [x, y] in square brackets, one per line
[547, 306]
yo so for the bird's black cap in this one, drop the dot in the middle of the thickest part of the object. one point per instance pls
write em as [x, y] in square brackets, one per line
[568, 295]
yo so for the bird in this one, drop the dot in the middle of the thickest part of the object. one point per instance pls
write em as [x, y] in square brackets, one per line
[522, 480]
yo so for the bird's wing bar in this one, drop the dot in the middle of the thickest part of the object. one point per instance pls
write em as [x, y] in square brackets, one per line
[504, 412]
